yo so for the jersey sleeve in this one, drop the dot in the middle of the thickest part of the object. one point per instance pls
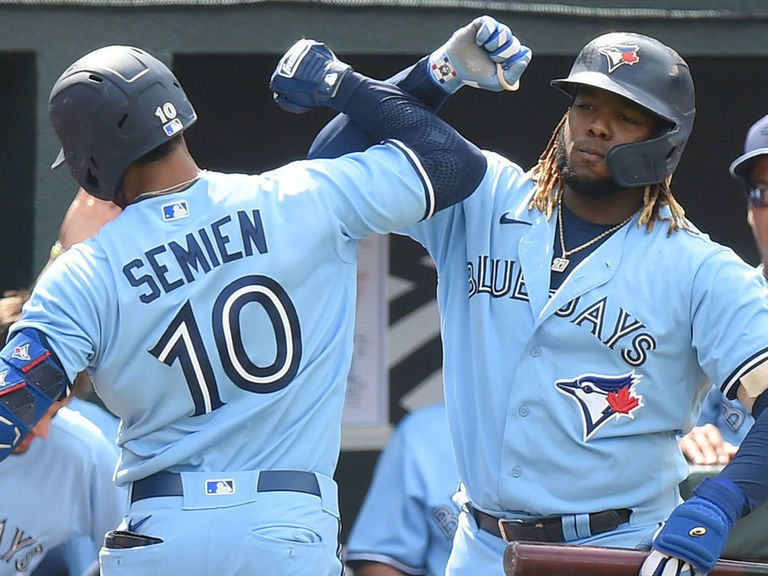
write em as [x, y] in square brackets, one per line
[729, 310]
[391, 527]
[69, 304]
[374, 192]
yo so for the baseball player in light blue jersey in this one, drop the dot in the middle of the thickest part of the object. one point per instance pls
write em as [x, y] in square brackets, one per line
[216, 311]
[56, 488]
[408, 519]
[579, 310]
[104, 421]
[721, 427]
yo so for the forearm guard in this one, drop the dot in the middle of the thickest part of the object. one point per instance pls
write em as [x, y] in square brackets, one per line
[31, 379]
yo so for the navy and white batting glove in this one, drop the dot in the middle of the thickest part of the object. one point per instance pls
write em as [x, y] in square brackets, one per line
[309, 75]
[694, 536]
[483, 54]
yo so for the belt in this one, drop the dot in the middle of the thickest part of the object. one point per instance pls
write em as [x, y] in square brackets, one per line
[545, 529]
[170, 484]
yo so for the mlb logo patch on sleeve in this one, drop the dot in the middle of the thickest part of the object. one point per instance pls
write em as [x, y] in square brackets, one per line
[175, 210]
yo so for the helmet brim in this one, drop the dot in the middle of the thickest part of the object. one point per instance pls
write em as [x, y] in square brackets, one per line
[602, 81]
[739, 167]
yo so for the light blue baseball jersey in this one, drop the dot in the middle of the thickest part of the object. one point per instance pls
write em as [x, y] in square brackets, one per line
[569, 402]
[104, 420]
[217, 322]
[408, 519]
[60, 488]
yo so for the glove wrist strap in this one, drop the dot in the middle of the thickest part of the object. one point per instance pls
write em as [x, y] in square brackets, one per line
[725, 494]
[443, 72]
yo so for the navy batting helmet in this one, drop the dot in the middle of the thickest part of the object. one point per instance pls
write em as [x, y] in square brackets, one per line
[653, 76]
[109, 109]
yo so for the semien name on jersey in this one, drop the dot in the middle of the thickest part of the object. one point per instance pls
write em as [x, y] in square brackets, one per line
[166, 267]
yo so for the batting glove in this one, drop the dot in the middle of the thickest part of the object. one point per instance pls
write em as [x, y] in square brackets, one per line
[692, 539]
[309, 75]
[484, 54]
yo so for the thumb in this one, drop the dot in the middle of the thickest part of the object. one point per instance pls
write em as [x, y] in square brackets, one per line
[511, 70]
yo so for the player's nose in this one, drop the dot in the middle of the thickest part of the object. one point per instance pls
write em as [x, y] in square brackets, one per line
[600, 125]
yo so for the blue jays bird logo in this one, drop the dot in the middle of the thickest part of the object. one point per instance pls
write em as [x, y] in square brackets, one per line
[620, 54]
[601, 398]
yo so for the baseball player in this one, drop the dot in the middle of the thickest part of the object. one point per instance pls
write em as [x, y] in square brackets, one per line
[215, 312]
[56, 485]
[407, 521]
[721, 427]
[751, 169]
[579, 310]
[727, 419]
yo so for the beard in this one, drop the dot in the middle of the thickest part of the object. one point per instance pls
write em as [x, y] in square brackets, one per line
[589, 188]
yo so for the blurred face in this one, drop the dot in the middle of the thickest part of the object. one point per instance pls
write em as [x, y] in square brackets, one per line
[42, 428]
[597, 121]
[757, 214]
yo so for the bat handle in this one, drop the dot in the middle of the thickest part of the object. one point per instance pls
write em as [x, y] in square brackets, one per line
[503, 81]
[544, 559]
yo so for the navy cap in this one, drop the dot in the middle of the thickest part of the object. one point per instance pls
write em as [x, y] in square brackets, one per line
[756, 144]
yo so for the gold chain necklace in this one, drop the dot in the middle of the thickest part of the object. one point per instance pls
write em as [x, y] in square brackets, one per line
[162, 191]
[561, 263]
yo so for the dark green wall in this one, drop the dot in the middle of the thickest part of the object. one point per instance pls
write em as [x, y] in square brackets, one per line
[224, 56]
[54, 34]
[17, 148]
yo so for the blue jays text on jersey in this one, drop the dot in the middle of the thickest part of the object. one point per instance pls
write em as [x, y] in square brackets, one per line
[595, 378]
[502, 279]
[167, 267]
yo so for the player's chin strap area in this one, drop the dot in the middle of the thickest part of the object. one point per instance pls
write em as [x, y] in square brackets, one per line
[31, 380]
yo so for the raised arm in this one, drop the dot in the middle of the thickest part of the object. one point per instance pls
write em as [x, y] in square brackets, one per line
[483, 54]
[309, 75]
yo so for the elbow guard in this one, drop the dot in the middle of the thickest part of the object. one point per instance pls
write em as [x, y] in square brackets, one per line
[31, 380]
[454, 165]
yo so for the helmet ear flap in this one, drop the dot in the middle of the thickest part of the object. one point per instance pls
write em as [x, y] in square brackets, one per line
[640, 163]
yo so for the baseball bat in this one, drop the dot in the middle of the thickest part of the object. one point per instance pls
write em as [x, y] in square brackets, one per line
[544, 559]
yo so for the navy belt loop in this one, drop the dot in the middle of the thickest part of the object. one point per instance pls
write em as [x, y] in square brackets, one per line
[169, 484]
[290, 480]
[157, 485]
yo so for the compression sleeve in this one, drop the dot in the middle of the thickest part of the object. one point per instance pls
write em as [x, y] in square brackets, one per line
[382, 111]
[749, 468]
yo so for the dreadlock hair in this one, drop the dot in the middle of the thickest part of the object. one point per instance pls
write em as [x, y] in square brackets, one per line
[549, 189]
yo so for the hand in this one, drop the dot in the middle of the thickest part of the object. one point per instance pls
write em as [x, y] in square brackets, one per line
[484, 54]
[694, 536]
[704, 445]
[307, 76]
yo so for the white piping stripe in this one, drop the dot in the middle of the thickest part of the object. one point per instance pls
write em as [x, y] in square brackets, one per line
[430, 192]
[756, 361]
